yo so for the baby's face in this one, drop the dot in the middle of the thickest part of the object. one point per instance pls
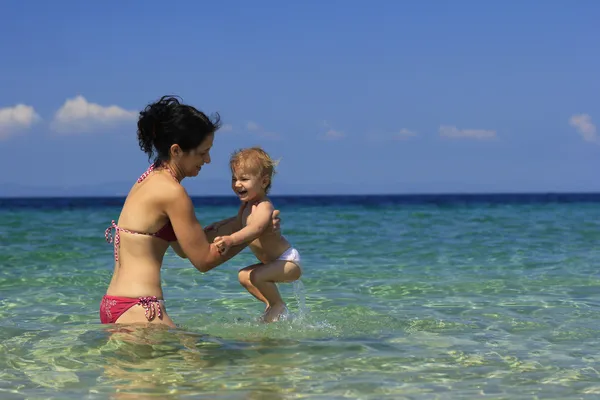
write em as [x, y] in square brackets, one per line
[248, 185]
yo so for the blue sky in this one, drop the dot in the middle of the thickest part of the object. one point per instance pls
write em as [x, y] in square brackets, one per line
[394, 97]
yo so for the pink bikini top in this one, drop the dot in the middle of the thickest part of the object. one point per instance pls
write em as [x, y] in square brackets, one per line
[165, 233]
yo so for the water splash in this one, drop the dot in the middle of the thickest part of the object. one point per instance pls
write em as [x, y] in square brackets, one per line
[300, 296]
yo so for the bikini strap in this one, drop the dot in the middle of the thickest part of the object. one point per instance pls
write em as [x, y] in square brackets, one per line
[145, 174]
[152, 168]
[117, 238]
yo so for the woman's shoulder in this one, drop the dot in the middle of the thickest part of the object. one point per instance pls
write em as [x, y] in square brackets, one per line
[168, 189]
[161, 188]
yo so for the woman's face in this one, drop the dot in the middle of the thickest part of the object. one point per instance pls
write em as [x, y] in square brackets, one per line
[191, 162]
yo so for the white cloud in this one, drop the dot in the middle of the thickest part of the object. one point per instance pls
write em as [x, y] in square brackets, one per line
[78, 115]
[260, 131]
[334, 134]
[405, 134]
[14, 120]
[331, 133]
[454, 132]
[583, 124]
[402, 134]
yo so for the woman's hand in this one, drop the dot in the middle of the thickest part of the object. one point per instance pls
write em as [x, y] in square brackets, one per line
[275, 221]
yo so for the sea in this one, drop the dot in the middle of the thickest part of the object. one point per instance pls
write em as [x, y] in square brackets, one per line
[493, 296]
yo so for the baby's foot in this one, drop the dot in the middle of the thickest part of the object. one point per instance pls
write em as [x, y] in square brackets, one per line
[274, 313]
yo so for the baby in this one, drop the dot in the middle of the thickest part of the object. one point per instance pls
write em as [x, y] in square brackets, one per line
[252, 172]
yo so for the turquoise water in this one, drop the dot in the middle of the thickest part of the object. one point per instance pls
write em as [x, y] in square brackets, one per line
[397, 301]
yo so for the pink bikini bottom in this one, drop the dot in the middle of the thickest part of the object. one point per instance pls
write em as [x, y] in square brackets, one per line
[112, 307]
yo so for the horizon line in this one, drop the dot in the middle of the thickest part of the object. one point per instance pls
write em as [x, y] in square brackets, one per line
[499, 193]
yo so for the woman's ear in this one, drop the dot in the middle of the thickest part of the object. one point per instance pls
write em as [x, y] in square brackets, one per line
[175, 151]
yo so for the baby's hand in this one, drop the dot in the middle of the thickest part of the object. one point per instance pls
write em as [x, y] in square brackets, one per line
[223, 243]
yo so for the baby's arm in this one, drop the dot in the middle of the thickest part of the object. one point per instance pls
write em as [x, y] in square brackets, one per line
[214, 226]
[261, 218]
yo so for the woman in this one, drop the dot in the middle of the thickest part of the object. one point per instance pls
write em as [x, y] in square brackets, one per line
[159, 213]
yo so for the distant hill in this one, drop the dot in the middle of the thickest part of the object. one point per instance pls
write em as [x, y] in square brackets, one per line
[219, 187]
[194, 188]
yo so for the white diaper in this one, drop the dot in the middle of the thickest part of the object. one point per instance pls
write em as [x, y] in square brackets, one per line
[291, 255]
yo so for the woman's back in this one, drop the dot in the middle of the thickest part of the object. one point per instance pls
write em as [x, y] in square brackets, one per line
[142, 236]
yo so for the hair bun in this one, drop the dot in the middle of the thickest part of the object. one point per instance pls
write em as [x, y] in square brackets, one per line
[168, 121]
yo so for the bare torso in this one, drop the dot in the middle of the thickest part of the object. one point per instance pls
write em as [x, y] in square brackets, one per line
[144, 233]
[137, 271]
[270, 245]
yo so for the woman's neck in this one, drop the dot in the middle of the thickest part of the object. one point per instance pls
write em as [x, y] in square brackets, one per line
[174, 170]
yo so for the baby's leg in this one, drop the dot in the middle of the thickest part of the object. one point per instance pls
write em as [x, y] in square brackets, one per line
[260, 281]
[244, 278]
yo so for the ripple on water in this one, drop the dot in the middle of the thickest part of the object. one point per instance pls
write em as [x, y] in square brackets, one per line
[395, 302]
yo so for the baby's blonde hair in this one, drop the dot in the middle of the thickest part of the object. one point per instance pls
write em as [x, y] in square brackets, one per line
[254, 160]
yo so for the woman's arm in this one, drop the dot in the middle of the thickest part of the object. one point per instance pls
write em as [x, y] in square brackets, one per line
[218, 224]
[177, 249]
[191, 238]
[216, 227]
[194, 242]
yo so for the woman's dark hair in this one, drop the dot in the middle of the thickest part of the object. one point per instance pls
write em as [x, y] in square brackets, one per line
[168, 122]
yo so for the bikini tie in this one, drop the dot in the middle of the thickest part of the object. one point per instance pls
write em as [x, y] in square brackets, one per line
[150, 303]
[116, 238]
